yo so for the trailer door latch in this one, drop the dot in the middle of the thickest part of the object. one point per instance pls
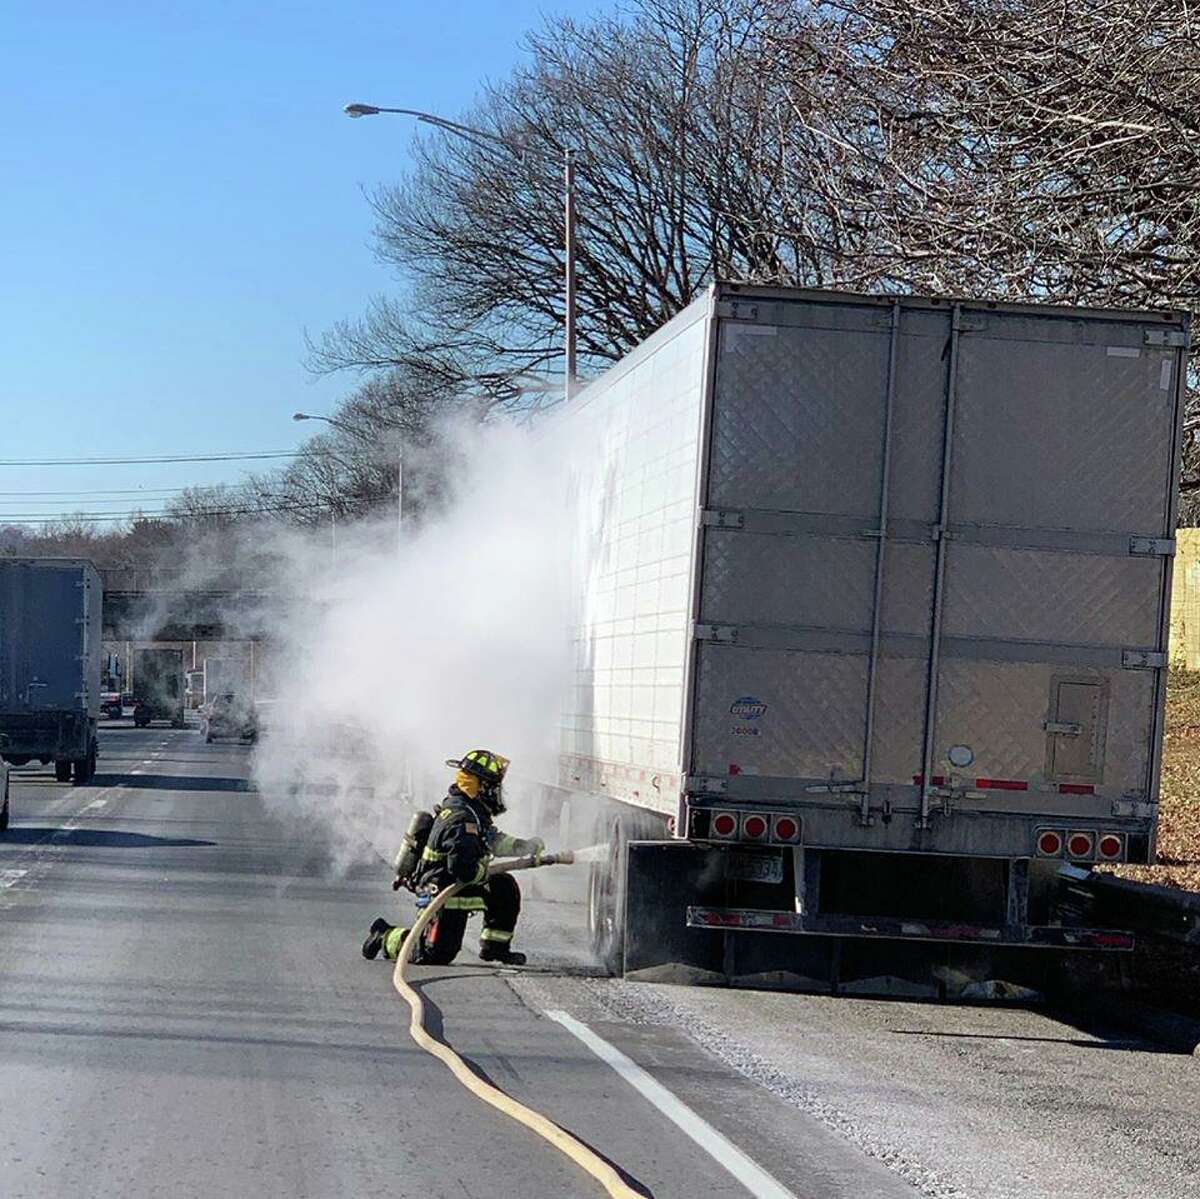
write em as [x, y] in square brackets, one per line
[1172, 338]
[717, 519]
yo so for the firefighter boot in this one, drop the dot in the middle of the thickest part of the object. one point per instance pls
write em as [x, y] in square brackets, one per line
[374, 942]
[498, 951]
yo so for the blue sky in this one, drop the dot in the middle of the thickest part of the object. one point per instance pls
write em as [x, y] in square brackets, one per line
[182, 197]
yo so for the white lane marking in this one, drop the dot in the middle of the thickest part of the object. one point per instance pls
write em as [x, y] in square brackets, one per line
[9, 878]
[722, 1150]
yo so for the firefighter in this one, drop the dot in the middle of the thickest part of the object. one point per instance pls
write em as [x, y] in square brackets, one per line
[461, 840]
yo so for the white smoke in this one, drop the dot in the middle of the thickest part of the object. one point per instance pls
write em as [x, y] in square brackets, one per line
[403, 652]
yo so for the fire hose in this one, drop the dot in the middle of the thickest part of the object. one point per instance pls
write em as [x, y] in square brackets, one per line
[587, 1159]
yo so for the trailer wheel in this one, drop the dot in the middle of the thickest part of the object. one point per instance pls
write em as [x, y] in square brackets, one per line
[62, 771]
[4, 813]
[85, 768]
[606, 908]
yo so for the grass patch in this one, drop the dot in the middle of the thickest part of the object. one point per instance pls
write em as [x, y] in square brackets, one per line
[1179, 798]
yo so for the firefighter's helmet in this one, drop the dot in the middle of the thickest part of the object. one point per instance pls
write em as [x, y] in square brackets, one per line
[489, 769]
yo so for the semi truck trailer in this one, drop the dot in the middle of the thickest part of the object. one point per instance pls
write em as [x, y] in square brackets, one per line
[158, 686]
[50, 658]
[872, 610]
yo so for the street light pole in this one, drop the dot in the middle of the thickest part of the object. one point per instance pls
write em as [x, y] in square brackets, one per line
[569, 265]
[469, 133]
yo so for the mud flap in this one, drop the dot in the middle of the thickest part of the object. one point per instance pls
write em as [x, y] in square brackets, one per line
[661, 879]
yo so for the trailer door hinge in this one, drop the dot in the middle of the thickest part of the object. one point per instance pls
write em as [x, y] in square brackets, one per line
[737, 310]
[1171, 338]
[1139, 659]
[1153, 547]
[723, 520]
[705, 784]
[724, 633]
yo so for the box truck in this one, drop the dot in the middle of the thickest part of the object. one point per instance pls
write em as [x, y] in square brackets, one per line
[873, 600]
[50, 658]
[158, 686]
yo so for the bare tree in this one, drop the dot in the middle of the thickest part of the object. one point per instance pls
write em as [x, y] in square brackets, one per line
[680, 136]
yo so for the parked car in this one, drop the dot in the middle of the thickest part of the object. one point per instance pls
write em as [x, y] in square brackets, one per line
[230, 715]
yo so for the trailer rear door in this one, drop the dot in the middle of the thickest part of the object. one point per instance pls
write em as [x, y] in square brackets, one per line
[935, 569]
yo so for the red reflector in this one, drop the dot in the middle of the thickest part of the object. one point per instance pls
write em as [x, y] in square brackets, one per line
[1001, 785]
[724, 824]
[1050, 843]
[754, 826]
[1110, 846]
[786, 829]
[1079, 845]
[1076, 789]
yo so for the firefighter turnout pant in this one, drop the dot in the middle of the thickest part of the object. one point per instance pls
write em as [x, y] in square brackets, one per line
[499, 899]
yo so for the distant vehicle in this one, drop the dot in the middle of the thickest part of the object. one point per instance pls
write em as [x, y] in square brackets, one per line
[50, 661]
[158, 686]
[110, 705]
[230, 716]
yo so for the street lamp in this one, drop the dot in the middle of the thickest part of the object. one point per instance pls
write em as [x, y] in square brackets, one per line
[337, 424]
[469, 133]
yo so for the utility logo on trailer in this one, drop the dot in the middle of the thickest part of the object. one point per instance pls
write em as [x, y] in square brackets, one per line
[747, 708]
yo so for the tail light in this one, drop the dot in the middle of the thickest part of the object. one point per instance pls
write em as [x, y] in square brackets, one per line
[724, 826]
[785, 829]
[1049, 843]
[1080, 845]
[754, 827]
[780, 828]
[1111, 846]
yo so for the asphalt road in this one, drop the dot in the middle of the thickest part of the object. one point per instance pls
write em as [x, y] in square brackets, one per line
[184, 1012]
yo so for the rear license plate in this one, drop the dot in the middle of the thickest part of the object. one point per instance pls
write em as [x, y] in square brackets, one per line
[755, 865]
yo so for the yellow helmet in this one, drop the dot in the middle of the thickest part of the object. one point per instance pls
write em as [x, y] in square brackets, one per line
[486, 766]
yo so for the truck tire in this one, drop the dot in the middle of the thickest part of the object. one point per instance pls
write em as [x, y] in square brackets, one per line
[4, 813]
[85, 768]
[62, 771]
[606, 886]
[606, 908]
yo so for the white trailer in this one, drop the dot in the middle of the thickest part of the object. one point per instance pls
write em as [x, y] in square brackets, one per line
[873, 611]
